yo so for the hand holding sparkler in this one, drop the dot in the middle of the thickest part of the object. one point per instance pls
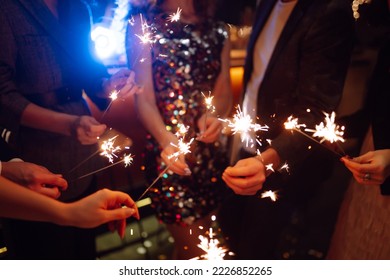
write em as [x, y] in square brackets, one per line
[248, 175]
[181, 148]
[174, 157]
[121, 85]
[86, 129]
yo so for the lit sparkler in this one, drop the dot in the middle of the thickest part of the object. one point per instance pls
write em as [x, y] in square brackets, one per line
[328, 131]
[109, 149]
[147, 36]
[284, 167]
[183, 149]
[127, 160]
[210, 108]
[175, 16]
[211, 247]
[271, 194]
[243, 124]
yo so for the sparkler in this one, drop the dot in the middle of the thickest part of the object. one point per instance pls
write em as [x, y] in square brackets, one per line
[328, 131]
[211, 247]
[271, 194]
[113, 96]
[146, 37]
[175, 16]
[107, 148]
[183, 148]
[127, 160]
[243, 124]
[210, 108]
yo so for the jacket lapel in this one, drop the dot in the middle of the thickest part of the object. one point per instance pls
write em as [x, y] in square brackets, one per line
[288, 31]
[48, 22]
[263, 10]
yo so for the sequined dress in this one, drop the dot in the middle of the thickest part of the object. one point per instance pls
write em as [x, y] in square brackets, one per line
[186, 63]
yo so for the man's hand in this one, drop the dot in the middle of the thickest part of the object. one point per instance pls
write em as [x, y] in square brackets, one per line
[34, 177]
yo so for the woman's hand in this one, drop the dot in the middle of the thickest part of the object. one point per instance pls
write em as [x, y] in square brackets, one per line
[210, 128]
[371, 168]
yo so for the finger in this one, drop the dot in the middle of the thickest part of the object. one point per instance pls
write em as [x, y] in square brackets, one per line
[129, 90]
[250, 190]
[53, 180]
[122, 73]
[365, 158]
[111, 226]
[360, 167]
[96, 130]
[131, 208]
[243, 171]
[179, 169]
[244, 182]
[52, 192]
[121, 227]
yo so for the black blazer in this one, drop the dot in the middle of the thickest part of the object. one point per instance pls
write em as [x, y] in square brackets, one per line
[306, 70]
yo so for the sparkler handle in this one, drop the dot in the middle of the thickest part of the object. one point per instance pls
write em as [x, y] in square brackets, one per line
[316, 141]
[154, 182]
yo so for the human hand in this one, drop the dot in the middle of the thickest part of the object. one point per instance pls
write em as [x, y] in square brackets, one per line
[34, 177]
[101, 207]
[177, 164]
[246, 177]
[372, 168]
[87, 129]
[210, 128]
[122, 81]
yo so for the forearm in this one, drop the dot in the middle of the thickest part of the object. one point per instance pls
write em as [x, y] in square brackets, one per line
[152, 120]
[40, 118]
[20, 203]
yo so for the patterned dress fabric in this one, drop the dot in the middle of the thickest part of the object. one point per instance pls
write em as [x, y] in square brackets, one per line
[186, 61]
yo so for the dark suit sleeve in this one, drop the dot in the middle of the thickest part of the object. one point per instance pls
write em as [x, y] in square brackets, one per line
[325, 56]
[6, 152]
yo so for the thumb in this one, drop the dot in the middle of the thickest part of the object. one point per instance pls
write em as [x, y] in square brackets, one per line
[120, 213]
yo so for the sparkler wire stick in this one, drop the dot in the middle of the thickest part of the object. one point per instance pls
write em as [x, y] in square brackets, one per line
[126, 159]
[154, 182]
[82, 162]
[318, 142]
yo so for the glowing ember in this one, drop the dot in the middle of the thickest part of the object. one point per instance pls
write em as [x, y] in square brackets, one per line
[292, 123]
[271, 194]
[328, 131]
[211, 247]
[109, 150]
[114, 95]
[184, 148]
[243, 124]
[175, 16]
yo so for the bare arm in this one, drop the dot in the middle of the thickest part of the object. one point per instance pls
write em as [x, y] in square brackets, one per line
[101, 207]
[146, 102]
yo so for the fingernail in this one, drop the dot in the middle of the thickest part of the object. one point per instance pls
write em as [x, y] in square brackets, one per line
[187, 171]
[130, 211]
